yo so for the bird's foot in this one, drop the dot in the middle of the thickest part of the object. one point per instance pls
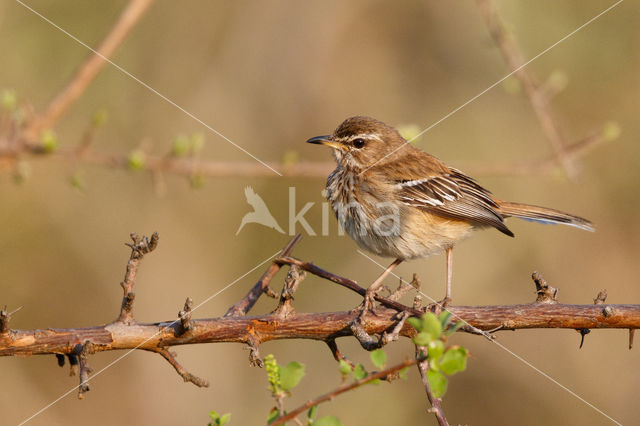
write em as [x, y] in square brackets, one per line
[438, 307]
[444, 302]
[368, 304]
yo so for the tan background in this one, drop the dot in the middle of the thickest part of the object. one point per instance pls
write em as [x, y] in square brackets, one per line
[269, 75]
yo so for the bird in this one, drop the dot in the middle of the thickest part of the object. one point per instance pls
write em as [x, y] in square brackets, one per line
[260, 213]
[400, 202]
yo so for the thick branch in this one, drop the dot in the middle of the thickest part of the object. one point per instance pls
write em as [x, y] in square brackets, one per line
[316, 326]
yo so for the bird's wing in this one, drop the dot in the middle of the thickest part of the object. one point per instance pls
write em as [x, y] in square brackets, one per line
[426, 183]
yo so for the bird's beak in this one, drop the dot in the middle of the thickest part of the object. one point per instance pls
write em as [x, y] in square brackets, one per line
[326, 140]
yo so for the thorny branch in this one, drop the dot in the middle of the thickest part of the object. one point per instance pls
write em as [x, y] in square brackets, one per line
[285, 323]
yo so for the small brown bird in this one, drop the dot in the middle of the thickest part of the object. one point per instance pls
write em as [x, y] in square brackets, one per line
[397, 201]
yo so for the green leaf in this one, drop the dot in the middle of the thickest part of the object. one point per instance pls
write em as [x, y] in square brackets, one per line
[415, 323]
[345, 367]
[359, 372]
[274, 414]
[454, 360]
[290, 375]
[437, 382]
[313, 411]
[435, 349]
[214, 416]
[136, 160]
[378, 357]
[453, 328]
[444, 318]
[328, 421]
[224, 419]
[403, 373]
[422, 338]
[431, 324]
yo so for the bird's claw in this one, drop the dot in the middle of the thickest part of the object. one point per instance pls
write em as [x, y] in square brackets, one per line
[367, 305]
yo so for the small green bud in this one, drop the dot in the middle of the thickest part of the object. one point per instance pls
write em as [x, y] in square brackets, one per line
[136, 160]
[512, 85]
[558, 81]
[180, 146]
[197, 142]
[344, 367]
[197, 181]
[99, 118]
[77, 182]
[611, 131]
[49, 141]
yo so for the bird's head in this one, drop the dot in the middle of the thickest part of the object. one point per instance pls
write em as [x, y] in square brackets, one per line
[361, 142]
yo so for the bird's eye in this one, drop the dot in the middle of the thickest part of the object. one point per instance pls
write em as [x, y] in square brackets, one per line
[358, 143]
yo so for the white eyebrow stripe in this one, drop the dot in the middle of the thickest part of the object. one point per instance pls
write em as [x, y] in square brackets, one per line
[359, 136]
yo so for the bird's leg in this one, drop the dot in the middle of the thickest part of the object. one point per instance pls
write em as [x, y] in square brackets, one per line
[447, 297]
[369, 300]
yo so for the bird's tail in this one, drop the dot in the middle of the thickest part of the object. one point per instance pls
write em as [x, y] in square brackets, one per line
[544, 215]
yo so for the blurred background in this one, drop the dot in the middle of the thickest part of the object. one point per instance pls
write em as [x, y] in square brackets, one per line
[269, 75]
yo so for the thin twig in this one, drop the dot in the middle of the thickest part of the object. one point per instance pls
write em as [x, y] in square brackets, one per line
[82, 352]
[380, 375]
[140, 247]
[294, 277]
[537, 96]
[185, 316]
[345, 282]
[88, 70]
[436, 403]
[243, 306]
[186, 376]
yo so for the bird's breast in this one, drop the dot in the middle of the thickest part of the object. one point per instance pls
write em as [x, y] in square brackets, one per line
[382, 225]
